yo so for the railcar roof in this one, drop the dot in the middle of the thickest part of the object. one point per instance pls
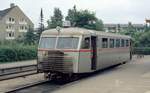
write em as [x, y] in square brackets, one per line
[80, 31]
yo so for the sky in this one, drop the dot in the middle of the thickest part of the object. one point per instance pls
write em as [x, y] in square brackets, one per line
[110, 11]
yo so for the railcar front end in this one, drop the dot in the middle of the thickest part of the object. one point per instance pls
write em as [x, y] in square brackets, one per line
[58, 55]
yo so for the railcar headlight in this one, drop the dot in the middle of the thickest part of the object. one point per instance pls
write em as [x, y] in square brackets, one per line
[39, 65]
[42, 55]
[45, 54]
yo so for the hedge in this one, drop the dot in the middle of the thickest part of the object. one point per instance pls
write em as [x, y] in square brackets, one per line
[141, 50]
[18, 53]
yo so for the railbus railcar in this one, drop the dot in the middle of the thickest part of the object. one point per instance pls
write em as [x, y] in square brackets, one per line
[76, 50]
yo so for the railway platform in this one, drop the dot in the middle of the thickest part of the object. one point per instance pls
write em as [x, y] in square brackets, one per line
[17, 64]
[132, 77]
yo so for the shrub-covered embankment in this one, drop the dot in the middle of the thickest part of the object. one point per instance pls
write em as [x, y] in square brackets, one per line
[17, 53]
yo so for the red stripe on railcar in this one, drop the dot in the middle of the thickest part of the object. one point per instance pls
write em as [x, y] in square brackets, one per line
[87, 50]
[67, 50]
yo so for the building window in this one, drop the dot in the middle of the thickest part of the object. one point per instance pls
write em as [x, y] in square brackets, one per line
[10, 34]
[26, 28]
[11, 19]
[104, 42]
[112, 43]
[122, 43]
[9, 26]
[117, 42]
[23, 28]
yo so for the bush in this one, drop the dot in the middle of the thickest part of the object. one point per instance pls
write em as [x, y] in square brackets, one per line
[17, 53]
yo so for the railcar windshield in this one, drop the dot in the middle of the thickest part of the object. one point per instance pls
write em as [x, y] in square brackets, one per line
[62, 42]
[67, 42]
[47, 42]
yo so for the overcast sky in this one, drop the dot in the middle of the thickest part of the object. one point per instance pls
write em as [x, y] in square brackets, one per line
[110, 11]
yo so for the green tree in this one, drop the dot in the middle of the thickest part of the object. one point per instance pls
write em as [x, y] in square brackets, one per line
[139, 38]
[146, 28]
[130, 30]
[144, 40]
[56, 19]
[30, 38]
[84, 18]
[72, 16]
[99, 26]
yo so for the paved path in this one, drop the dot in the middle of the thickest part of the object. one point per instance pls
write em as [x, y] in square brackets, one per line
[133, 77]
[15, 64]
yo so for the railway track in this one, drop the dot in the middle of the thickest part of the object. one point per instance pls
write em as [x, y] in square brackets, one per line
[26, 86]
[40, 87]
[13, 72]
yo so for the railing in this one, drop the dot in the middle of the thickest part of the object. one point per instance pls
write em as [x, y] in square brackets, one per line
[141, 50]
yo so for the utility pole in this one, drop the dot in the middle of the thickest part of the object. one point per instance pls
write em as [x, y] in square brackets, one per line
[41, 24]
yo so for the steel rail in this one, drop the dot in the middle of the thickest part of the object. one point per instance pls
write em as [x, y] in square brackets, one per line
[27, 86]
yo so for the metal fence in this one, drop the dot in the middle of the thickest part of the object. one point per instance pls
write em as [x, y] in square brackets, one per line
[141, 50]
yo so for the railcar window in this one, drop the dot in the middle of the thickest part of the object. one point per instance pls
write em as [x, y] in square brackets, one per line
[99, 42]
[67, 43]
[117, 42]
[112, 43]
[47, 42]
[104, 43]
[86, 43]
[122, 43]
[127, 43]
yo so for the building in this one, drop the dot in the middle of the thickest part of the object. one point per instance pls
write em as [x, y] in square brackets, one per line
[13, 23]
[122, 27]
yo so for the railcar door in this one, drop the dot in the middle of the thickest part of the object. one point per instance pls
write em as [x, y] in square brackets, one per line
[93, 52]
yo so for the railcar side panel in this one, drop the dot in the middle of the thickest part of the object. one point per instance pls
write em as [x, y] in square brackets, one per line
[105, 56]
[73, 58]
[85, 62]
